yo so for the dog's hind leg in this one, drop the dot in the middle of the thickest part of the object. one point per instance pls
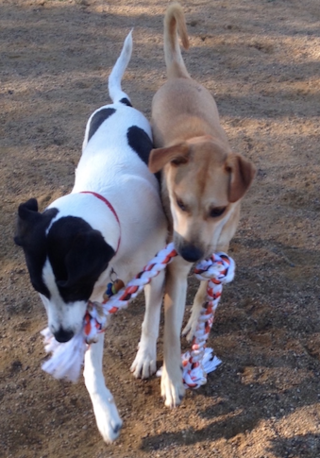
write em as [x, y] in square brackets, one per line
[144, 364]
[105, 410]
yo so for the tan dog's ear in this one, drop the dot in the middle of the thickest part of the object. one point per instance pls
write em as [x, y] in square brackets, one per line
[242, 173]
[176, 154]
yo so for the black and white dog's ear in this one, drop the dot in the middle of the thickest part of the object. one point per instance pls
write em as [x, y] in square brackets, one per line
[89, 257]
[27, 217]
[28, 207]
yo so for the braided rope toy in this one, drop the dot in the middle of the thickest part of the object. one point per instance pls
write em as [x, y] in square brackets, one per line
[67, 358]
[197, 363]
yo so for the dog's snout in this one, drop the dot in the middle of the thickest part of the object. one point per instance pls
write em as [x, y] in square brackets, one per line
[190, 253]
[63, 335]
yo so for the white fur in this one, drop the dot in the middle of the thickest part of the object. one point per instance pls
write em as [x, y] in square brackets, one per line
[115, 77]
[58, 312]
[109, 167]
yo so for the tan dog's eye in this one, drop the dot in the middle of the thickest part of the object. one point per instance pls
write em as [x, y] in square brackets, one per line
[215, 212]
[181, 205]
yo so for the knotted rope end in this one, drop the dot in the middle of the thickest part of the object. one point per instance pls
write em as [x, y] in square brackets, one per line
[66, 358]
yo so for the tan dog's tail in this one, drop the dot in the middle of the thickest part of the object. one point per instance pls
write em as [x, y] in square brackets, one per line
[174, 22]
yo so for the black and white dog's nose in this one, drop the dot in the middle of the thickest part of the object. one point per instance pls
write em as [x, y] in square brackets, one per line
[63, 335]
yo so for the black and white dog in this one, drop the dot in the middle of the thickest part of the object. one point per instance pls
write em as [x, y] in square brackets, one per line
[111, 221]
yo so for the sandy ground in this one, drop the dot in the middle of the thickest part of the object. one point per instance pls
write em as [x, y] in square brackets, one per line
[260, 58]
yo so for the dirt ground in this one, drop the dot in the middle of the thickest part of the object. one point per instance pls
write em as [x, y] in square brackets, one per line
[260, 58]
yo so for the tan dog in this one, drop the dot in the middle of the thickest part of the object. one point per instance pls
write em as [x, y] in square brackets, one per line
[203, 182]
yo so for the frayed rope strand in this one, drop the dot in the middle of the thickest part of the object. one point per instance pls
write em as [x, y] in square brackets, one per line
[67, 358]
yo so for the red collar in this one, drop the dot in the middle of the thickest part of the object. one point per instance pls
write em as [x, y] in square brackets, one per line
[109, 205]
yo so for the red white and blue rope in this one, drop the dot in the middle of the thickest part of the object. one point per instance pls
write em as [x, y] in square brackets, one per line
[199, 361]
[67, 358]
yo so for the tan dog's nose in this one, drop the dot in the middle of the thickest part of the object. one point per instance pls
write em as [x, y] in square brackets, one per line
[190, 252]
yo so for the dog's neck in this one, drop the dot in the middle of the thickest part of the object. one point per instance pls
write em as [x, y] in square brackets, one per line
[110, 206]
[95, 209]
[190, 128]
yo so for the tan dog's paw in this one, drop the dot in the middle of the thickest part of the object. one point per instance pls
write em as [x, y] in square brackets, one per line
[191, 327]
[172, 389]
[144, 364]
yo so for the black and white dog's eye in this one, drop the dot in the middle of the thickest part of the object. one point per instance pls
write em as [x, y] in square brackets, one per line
[215, 212]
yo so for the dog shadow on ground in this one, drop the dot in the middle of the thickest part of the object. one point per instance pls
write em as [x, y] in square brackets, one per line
[234, 420]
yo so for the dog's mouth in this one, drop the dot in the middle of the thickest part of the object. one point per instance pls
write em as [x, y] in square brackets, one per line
[63, 335]
[189, 251]
[64, 320]
[193, 252]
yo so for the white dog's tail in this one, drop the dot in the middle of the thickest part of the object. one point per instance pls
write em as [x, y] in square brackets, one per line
[115, 77]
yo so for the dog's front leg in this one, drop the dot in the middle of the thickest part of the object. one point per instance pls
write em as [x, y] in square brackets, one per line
[105, 410]
[198, 303]
[172, 389]
[144, 364]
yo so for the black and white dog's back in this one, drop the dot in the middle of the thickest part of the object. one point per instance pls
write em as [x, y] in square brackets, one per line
[112, 220]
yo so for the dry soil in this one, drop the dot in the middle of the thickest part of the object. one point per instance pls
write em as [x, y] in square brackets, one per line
[260, 59]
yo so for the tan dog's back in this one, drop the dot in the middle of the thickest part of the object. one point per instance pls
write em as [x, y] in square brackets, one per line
[192, 108]
[187, 102]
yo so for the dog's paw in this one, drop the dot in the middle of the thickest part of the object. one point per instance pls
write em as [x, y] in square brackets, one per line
[172, 389]
[108, 421]
[191, 327]
[144, 364]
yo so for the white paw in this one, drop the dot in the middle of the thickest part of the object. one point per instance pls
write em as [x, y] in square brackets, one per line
[144, 364]
[172, 389]
[191, 327]
[108, 421]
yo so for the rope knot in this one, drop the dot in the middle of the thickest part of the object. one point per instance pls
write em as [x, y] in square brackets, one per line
[219, 268]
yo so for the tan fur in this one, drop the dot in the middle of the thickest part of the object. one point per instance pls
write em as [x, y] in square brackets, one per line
[200, 177]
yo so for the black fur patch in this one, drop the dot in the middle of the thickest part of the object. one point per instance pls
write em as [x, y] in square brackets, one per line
[31, 236]
[78, 255]
[98, 119]
[126, 101]
[140, 142]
